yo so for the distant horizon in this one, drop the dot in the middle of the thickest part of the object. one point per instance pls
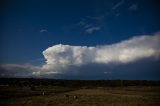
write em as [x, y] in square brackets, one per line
[34, 78]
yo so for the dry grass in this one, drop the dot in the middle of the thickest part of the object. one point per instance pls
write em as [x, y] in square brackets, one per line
[54, 96]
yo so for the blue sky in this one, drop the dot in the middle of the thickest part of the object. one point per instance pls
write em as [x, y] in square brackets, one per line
[29, 27]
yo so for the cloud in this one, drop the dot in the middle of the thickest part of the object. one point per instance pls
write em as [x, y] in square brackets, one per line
[91, 24]
[23, 70]
[82, 22]
[67, 60]
[133, 7]
[117, 14]
[43, 30]
[92, 29]
[117, 5]
[61, 56]
[88, 25]
[18, 70]
[98, 18]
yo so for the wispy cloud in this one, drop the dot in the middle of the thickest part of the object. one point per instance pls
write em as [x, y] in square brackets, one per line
[99, 18]
[82, 22]
[92, 29]
[117, 5]
[88, 25]
[91, 24]
[133, 7]
[117, 14]
[43, 30]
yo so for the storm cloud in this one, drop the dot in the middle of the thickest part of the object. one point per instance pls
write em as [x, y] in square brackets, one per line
[62, 56]
[67, 60]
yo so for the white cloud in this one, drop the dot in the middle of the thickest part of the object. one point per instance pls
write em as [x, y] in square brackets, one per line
[92, 29]
[61, 58]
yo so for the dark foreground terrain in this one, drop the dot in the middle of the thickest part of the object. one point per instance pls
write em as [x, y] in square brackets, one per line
[43, 92]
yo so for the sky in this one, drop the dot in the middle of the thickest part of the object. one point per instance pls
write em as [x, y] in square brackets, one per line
[80, 39]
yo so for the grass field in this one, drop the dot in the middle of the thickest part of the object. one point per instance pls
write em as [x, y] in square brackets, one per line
[98, 96]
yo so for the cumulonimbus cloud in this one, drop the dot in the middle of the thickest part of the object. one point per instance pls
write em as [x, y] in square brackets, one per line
[126, 51]
[61, 57]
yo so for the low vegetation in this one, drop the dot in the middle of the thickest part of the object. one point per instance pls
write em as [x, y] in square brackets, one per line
[43, 92]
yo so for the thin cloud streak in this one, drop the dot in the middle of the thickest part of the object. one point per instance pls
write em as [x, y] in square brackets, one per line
[43, 30]
[92, 29]
[118, 5]
[133, 7]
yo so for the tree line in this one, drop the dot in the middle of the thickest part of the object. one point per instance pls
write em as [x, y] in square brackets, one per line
[75, 83]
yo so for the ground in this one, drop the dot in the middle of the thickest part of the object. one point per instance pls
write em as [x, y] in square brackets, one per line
[98, 96]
